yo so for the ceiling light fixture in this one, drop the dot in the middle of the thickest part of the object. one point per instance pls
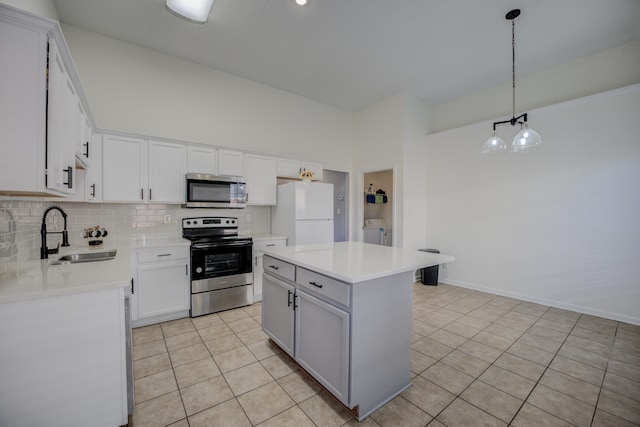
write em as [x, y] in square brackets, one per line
[300, 2]
[527, 138]
[196, 11]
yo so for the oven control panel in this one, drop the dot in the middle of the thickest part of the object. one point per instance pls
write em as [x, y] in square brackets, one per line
[209, 222]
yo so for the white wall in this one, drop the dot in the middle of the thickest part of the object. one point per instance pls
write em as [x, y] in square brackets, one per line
[418, 121]
[44, 8]
[141, 91]
[560, 225]
[377, 145]
[606, 70]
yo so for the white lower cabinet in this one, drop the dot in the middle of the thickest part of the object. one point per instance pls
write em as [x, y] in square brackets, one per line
[312, 331]
[161, 288]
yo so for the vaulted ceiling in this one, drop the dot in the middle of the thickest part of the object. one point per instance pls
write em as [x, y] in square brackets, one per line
[352, 53]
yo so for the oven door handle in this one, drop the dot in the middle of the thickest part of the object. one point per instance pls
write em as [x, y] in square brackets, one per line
[220, 245]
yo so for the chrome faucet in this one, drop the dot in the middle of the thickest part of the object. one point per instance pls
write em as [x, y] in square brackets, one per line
[44, 251]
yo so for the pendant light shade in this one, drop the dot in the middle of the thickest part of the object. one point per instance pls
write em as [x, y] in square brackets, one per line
[495, 144]
[196, 11]
[527, 138]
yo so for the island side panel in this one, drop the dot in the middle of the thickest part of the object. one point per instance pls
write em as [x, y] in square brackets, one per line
[63, 361]
[380, 341]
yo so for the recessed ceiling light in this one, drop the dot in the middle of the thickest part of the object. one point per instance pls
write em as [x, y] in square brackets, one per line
[300, 2]
[196, 11]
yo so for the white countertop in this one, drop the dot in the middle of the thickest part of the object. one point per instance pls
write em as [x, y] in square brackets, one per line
[38, 278]
[259, 237]
[355, 262]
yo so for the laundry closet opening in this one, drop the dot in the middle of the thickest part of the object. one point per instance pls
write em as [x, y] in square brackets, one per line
[378, 208]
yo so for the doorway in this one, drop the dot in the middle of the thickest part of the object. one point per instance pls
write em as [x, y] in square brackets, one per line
[340, 181]
[378, 207]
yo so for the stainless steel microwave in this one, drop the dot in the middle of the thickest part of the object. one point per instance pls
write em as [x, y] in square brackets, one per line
[212, 191]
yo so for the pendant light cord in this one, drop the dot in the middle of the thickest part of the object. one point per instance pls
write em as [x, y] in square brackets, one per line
[513, 64]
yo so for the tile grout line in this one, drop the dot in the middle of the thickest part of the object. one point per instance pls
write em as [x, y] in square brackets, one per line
[543, 372]
[505, 351]
[606, 369]
[458, 396]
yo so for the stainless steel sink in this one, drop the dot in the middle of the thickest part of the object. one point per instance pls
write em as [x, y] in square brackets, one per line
[85, 257]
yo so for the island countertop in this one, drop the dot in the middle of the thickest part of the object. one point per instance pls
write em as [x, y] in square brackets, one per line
[354, 262]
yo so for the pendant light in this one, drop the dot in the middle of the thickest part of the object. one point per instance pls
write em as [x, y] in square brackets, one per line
[527, 138]
[196, 11]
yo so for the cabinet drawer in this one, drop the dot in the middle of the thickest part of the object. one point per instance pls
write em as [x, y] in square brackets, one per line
[323, 285]
[279, 268]
[163, 254]
[261, 244]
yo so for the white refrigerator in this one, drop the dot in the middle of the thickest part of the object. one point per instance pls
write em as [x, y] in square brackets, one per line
[304, 213]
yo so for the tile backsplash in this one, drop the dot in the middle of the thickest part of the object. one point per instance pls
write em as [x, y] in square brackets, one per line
[21, 219]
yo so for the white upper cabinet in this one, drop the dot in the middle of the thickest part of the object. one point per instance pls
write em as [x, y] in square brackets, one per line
[60, 131]
[39, 116]
[135, 170]
[202, 160]
[23, 110]
[166, 172]
[260, 177]
[124, 169]
[230, 163]
[291, 168]
[84, 150]
[93, 175]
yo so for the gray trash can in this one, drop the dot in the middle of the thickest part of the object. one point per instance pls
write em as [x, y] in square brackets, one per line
[429, 275]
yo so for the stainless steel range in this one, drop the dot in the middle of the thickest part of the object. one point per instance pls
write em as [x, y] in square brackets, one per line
[221, 274]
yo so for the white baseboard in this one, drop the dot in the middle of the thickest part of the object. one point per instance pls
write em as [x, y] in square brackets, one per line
[544, 301]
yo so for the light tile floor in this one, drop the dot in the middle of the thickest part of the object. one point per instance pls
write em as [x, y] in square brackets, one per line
[478, 360]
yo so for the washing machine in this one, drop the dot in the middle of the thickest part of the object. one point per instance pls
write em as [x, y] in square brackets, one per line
[376, 231]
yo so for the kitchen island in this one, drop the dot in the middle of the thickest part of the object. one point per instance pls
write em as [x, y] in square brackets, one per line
[343, 312]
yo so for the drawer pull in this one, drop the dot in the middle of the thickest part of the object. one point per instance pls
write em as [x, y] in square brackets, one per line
[164, 254]
[271, 244]
[315, 284]
[275, 267]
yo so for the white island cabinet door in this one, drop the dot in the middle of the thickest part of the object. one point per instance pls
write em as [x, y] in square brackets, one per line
[322, 343]
[278, 317]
